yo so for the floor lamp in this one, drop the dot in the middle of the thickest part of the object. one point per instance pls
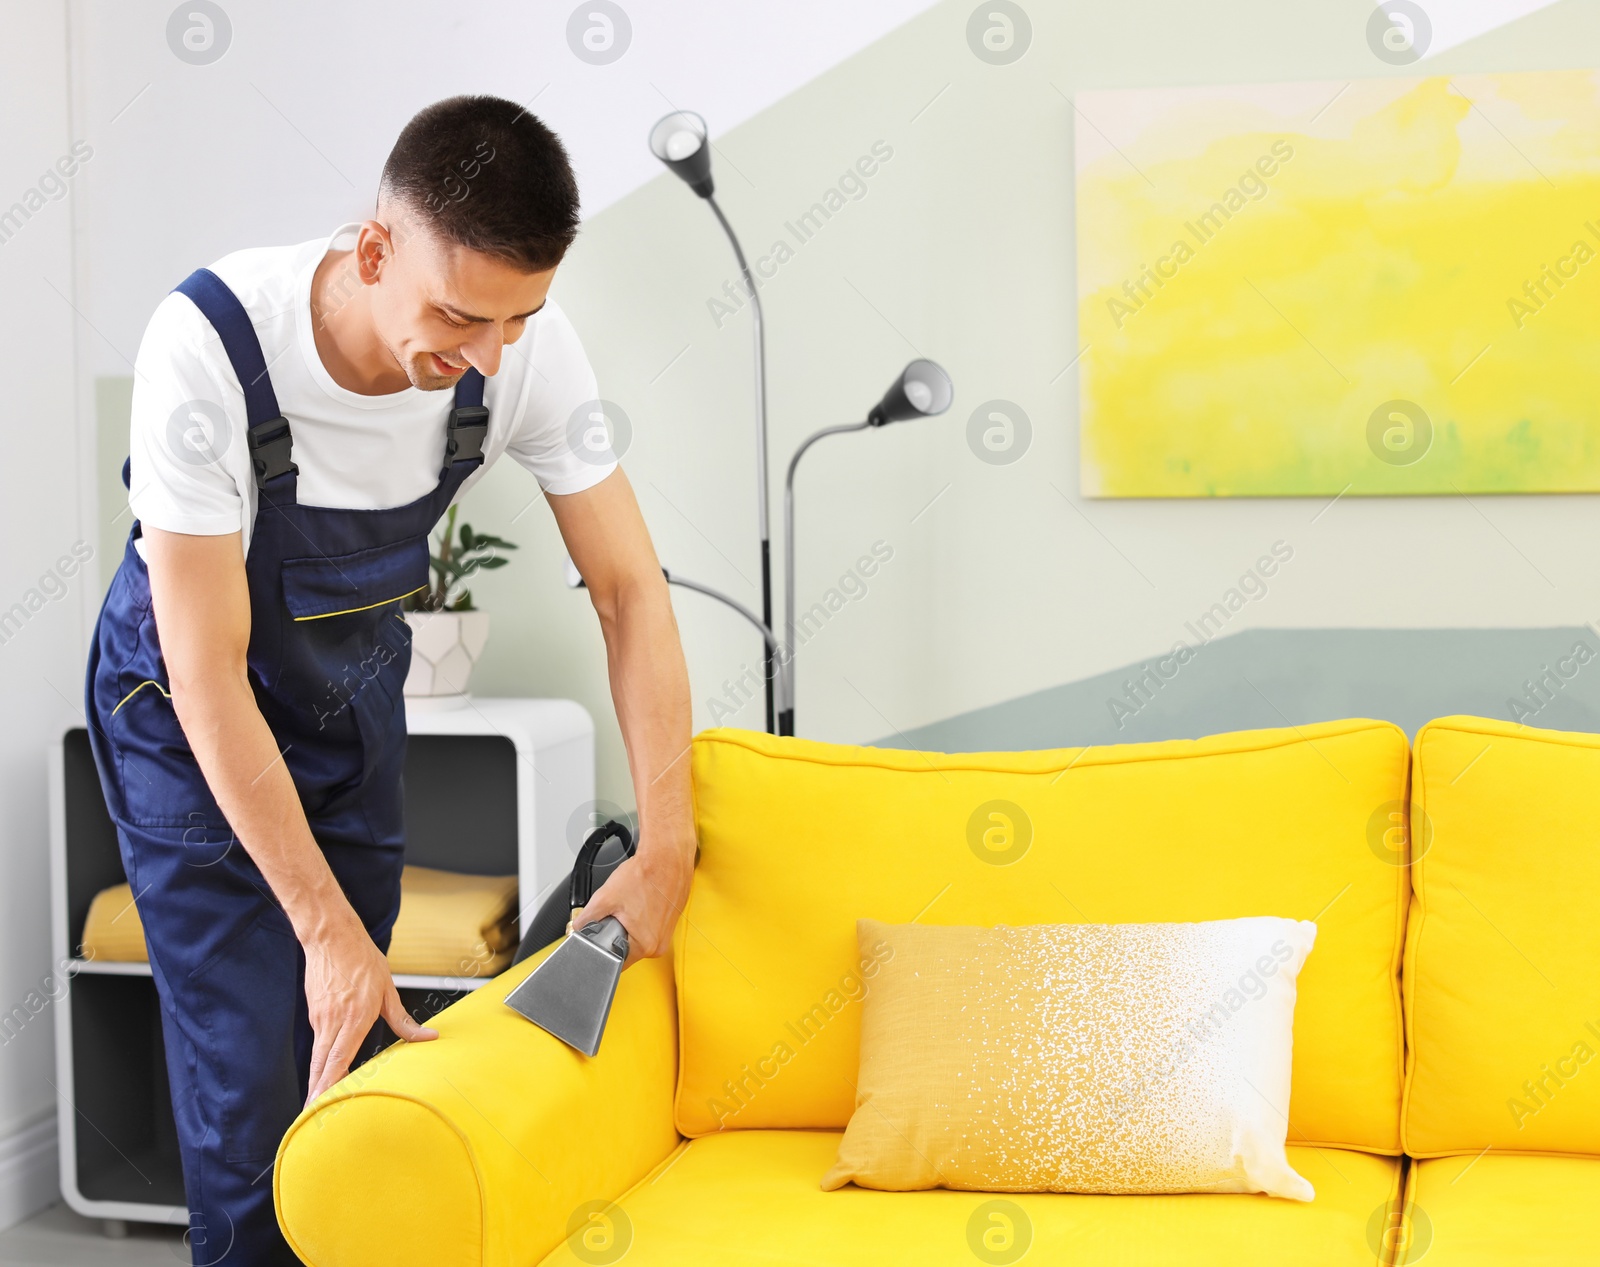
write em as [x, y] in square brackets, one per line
[680, 141]
[922, 391]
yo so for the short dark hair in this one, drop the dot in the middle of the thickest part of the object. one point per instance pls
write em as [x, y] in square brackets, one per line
[484, 173]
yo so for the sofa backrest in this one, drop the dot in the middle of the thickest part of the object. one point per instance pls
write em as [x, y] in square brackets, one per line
[1502, 972]
[800, 839]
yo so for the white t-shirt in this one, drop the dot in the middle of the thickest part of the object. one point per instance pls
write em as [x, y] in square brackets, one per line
[191, 468]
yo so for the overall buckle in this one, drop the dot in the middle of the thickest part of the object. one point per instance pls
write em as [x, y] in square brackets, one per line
[469, 427]
[270, 446]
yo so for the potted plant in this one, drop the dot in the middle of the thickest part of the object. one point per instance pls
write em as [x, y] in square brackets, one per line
[447, 632]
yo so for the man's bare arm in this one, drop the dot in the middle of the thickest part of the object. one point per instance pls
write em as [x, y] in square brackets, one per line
[609, 544]
[202, 609]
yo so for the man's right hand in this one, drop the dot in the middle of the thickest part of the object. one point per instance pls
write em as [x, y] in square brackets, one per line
[348, 986]
[202, 606]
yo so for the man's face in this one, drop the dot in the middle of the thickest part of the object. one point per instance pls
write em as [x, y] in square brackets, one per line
[439, 307]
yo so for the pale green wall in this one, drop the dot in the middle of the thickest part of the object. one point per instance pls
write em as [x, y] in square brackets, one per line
[962, 250]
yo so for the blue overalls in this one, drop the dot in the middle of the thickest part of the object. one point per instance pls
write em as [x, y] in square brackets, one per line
[328, 655]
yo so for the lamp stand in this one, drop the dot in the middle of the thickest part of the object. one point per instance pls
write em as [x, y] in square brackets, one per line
[769, 664]
[786, 713]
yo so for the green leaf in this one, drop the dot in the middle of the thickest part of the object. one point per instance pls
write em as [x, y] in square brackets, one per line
[460, 554]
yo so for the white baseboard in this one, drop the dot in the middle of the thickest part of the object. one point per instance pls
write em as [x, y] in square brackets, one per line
[29, 1171]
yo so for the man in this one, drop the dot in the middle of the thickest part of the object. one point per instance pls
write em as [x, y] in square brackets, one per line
[260, 830]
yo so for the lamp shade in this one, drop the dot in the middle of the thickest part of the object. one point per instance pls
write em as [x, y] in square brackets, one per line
[921, 391]
[680, 141]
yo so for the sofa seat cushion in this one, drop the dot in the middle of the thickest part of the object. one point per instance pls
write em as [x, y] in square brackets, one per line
[753, 1196]
[1494, 1209]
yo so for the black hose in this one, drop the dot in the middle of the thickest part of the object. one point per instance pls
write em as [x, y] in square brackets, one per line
[601, 854]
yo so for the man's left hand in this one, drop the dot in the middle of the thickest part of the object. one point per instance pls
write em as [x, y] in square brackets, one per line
[647, 893]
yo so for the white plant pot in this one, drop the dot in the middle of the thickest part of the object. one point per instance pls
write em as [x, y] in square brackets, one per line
[444, 647]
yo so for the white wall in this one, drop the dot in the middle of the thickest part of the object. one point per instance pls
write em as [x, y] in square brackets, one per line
[42, 488]
[283, 136]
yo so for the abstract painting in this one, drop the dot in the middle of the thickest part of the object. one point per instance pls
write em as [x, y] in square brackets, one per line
[1376, 287]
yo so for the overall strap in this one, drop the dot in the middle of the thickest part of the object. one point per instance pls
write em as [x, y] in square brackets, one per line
[469, 423]
[267, 430]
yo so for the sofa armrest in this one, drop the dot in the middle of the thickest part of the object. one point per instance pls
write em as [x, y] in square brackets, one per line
[478, 1147]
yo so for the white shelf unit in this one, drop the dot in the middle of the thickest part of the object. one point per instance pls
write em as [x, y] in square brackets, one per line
[492, 785]
[553, 741]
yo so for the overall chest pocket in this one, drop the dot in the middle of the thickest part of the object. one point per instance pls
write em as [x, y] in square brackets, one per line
[324, 586]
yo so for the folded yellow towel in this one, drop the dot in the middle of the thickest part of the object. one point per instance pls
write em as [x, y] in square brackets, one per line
[450, 924]
[113, 930]
[454, 925]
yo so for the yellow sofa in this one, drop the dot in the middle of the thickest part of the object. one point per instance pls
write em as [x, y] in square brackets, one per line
[701, 1131]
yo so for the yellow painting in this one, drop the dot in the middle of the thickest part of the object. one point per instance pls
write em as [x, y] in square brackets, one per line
[1376, 287]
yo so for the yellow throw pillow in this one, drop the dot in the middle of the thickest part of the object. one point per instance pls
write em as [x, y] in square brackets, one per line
[450, 924]
[1106, 1058]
